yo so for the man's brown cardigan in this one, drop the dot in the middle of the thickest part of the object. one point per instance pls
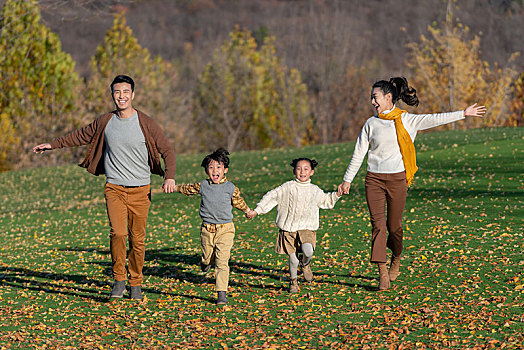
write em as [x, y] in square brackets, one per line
[93, 134]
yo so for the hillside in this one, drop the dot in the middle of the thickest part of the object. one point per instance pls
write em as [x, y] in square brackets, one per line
[461, 284]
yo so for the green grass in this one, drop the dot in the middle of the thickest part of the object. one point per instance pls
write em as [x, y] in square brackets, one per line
[461, 283]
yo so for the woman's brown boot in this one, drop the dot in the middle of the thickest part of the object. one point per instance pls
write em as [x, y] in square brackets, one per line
[394, 269]
[384, 277]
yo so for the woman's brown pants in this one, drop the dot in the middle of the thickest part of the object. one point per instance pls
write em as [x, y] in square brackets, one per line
[386, 197]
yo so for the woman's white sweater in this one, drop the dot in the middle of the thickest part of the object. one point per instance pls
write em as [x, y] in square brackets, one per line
[380, 138]
[298, 204]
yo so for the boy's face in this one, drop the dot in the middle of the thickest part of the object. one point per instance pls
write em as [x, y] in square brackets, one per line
[216, 171]
[303, 171]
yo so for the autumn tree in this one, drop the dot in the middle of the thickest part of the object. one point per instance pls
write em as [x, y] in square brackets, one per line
[248, 99]
[517, 101]
[38, 83]
[449, 74]
[156, 81]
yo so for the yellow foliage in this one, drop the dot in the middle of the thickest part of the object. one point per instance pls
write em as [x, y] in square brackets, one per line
[8, 141]
[156, 81]
[450, 75]
[246, 98]
[38, 79]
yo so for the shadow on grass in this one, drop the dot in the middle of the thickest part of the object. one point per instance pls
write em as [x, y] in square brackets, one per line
[362, 281]
[23, 278]
[26, 279]
[169, 264]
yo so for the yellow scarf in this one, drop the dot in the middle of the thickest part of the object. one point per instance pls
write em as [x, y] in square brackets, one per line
[407, 148]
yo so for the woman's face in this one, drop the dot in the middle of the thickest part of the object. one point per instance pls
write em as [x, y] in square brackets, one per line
[380, 101]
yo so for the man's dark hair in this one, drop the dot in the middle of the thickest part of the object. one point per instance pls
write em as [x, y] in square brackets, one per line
[220, 156]
[312, 162]
[123, 79]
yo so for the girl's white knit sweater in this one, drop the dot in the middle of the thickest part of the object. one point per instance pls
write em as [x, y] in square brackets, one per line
[380, 138]
[298, 204]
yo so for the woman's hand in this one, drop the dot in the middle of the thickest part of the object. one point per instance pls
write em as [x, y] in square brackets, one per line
[474, 111]
[343, 188]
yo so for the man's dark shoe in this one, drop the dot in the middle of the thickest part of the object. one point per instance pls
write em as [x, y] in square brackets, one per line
[204, 267]
[222, 299]
[136, 293]
[119, 288]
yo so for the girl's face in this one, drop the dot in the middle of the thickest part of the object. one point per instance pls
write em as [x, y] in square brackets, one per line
[216, 171]
[380, 101]
[303, 171]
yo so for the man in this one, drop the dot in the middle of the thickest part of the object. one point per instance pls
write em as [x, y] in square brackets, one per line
[124, 145]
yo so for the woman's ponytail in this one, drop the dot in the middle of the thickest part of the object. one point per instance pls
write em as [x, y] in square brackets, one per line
[403, 91]
[399, 89]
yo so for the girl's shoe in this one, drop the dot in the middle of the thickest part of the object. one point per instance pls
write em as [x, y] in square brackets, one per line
[293, 286]
[394, 269]
[384, 282]
[308, 274]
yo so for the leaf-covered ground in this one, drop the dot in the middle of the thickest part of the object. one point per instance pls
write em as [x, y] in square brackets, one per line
[461, 284]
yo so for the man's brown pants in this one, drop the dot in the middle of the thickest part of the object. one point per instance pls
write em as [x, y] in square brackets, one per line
[386, 190]
[127, 209]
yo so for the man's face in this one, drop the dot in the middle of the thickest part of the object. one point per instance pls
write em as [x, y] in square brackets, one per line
[123, 96]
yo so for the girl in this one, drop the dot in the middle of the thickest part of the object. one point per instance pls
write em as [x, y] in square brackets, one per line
[298, 203]
[387, 138]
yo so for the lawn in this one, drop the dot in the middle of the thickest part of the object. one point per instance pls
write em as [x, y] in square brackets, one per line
[461, 284]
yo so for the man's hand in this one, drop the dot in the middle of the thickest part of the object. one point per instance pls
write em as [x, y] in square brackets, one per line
[169, 185]
[251, 214]
[343, 188]
[42, 147]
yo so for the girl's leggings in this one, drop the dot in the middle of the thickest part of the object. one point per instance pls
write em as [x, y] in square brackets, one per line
[307, 250]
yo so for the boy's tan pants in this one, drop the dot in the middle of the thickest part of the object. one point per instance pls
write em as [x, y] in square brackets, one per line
[127, 209]
[217, 241]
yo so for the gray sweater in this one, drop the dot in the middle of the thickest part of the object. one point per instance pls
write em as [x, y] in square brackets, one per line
[125, 155]
[216, 206]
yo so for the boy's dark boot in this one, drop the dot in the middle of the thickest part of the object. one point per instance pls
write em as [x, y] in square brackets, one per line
[384, 282]
[221, 298]
[394, 269]
[119, 288]
[204, 267]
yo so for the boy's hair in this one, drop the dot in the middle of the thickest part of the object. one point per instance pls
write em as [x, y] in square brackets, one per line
[123, 79]
[220, 156]
[312, 162]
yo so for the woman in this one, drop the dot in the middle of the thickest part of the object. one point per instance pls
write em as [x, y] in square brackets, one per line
[388, 138]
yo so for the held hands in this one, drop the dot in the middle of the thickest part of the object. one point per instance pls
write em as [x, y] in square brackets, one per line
[251, 214]
[42, 147]
[343, 188]
[169, 185]
[474, 111]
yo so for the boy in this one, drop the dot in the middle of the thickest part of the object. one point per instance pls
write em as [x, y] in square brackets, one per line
[217, 232]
